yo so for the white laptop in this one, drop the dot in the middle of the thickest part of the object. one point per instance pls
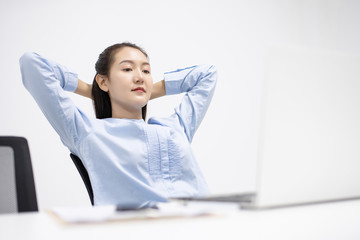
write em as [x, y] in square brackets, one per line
[310, 129]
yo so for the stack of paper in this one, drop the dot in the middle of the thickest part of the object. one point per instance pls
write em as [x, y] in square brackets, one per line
[107, 213]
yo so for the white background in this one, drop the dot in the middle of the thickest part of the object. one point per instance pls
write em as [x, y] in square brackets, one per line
[230, 34]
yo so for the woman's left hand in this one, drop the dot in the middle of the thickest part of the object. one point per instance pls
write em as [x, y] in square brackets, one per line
[158, 90]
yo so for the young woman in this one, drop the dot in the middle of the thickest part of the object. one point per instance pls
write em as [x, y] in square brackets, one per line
[129, 161]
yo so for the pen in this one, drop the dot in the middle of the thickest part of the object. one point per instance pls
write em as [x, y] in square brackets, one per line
[120, 208]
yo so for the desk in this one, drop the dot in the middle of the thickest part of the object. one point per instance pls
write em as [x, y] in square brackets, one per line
[338, 220]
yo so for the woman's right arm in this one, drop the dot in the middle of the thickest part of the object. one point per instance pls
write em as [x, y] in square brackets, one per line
[84, 89]
[47, 82]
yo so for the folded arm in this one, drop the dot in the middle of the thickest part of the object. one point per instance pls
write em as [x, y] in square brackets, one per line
[198, 82]
[48, 81]
[84, 89]
[158, 90]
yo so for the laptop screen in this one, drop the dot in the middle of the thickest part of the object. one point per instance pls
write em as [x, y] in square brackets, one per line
[310, 133]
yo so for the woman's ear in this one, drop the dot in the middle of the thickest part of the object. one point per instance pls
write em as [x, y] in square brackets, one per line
[102, 81]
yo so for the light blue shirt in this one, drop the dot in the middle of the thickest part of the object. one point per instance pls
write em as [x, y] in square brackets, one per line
[129, 161]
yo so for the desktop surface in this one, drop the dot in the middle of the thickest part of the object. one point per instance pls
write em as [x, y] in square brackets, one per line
[337, 220]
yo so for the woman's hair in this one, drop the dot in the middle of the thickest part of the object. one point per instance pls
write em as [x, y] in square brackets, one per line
[102, 103]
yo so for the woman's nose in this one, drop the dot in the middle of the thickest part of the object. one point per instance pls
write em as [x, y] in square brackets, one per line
[139, 77]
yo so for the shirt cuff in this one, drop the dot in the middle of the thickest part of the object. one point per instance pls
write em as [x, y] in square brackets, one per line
[68, 79]
[72, 82]
[174, 80]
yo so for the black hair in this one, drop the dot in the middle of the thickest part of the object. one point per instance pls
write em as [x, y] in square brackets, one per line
[102, 103]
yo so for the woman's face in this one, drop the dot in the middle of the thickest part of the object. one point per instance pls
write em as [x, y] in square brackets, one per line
[129, 82]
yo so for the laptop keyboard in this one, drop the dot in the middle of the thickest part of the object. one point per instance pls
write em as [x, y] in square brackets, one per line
[241, 198]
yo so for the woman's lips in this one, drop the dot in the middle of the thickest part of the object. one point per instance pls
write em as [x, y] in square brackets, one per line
[139, 89]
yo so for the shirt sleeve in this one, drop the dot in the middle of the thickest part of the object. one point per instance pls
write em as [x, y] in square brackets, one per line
[47, 82]
[198, 82]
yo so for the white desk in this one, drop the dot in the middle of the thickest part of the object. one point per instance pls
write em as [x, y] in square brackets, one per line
[339, 220]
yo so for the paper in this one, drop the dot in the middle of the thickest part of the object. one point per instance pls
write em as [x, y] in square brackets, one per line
[107, 213]
[84, 214]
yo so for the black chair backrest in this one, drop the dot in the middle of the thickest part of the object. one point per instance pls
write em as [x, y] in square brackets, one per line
[17, 186]
[84, 175]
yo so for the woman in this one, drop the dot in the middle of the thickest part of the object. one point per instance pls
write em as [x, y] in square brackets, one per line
[128, 160]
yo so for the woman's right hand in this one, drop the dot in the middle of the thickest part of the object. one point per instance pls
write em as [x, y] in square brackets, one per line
[84, 89]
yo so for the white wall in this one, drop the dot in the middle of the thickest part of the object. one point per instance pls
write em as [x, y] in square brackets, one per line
[231, 34]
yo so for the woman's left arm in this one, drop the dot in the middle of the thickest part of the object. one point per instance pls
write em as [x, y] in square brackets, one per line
[198, 82]
[158, 90]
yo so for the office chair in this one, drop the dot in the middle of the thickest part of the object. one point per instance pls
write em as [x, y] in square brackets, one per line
[84, 175]
[17, 187]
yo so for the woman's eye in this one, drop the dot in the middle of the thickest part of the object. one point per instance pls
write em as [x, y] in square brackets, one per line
[127, 69]
[146, 71]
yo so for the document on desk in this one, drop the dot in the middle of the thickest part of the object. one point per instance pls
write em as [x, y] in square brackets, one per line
[110, 213]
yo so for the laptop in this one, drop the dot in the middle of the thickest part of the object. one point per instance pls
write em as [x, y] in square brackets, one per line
[310, 130]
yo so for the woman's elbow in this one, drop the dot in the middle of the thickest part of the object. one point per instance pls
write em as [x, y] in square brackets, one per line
[213, 73]
[29, 65]
[27, 59]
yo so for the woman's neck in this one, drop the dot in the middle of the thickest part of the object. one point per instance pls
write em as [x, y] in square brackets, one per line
[123, 113]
